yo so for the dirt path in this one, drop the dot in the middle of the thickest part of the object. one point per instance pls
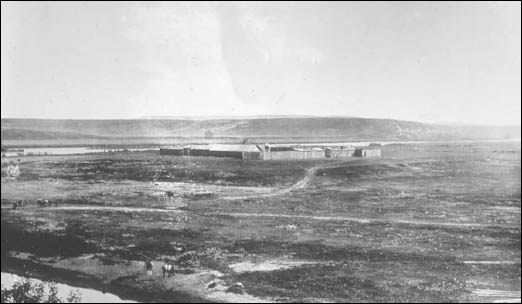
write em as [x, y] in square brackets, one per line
[361, 220]
[507, 296]
[300, 184]
[492, 262]
[115, 209]
[272, 265]
[310, 173]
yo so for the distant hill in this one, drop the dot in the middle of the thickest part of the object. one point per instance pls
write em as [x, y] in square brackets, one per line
[347, 128]
[27, 134]
[235, 117]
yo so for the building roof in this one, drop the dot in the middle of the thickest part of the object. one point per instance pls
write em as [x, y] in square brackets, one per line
[370, 148]
[172, 148]
[225, 147]
[238, 148]
[308, 149]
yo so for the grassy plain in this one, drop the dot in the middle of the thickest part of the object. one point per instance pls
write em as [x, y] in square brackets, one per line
[430, 222]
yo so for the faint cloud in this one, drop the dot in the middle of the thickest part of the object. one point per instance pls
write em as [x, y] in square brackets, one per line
[182, 54]
[272, 37]
[188, 32]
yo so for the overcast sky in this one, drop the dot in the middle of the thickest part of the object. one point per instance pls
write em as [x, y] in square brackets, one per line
[432, 62]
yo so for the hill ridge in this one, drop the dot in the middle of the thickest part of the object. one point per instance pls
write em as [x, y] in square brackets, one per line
[354, 128]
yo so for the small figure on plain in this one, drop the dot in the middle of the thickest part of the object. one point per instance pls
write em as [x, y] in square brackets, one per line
[168, 269]
[148, 265]
[169, 194]
[39, 202]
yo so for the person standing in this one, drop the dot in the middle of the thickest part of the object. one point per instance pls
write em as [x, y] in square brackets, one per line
[148, 265]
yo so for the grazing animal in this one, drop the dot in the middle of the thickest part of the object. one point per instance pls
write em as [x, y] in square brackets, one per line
[168, 269]
[39, 202]
[46, 203]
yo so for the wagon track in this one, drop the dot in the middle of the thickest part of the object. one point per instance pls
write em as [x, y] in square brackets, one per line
[495, 293]
[114, 209]
[505, 296]
[363, 220]
[491, 262]
[310, 173]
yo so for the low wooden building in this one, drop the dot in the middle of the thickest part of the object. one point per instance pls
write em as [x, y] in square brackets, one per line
[250, 152]
[370, 151]
[293, 154]
[339, 152]
[254, 155]
[171, 151]
[267, 152]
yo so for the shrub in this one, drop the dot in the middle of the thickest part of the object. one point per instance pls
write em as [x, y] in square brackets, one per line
[24, 291]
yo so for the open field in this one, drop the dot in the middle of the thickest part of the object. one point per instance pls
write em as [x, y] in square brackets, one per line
[427, 222]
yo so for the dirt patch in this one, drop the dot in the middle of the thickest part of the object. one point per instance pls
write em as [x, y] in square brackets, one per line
[269, 265]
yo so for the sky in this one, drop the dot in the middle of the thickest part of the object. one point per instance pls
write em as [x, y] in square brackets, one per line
[433, 62]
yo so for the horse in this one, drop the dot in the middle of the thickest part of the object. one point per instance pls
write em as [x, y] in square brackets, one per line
[168, 269]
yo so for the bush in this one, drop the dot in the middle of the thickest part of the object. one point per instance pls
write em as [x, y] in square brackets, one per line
[23, 291]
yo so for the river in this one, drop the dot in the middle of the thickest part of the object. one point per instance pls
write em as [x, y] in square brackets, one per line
[69, 151]
[87, 295]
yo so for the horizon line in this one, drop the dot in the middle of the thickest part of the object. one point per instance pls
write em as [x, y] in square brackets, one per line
[275, 116]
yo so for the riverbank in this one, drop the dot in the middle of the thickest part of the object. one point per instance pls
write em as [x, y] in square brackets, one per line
[64, 291]
[121, 288]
